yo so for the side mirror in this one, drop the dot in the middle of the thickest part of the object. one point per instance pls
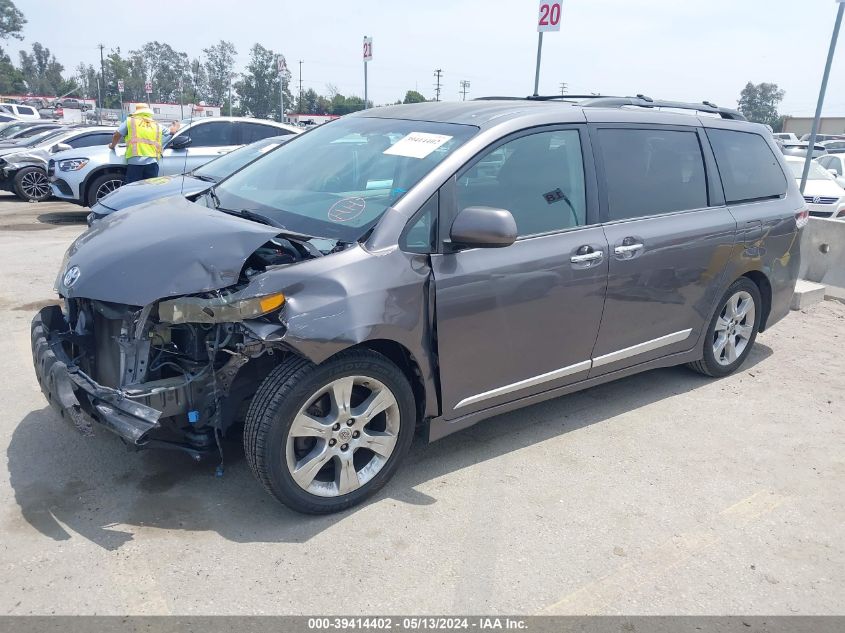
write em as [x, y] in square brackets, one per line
[483, 227]
[833, 172]
[180, 142]
[59, 147]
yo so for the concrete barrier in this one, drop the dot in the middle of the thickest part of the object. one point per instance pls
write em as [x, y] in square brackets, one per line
[823, 255]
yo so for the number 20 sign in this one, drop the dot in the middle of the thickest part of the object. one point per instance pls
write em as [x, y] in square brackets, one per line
[549, 15]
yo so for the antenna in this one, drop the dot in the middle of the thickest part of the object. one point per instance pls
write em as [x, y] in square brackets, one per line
[193, 106]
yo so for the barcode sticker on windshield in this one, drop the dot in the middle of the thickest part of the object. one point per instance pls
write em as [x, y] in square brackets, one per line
[417, 144]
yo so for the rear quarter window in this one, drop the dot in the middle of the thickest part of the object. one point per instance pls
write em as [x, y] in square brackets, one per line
[747, 165]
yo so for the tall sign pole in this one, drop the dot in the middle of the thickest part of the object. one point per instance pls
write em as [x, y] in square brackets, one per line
[549, 20]
[814, 132]
[280, 66]
[368, 57]
[120, 90]
[148, 88]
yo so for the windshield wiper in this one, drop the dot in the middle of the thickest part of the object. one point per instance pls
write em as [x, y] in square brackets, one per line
[251, 215]
[214, 199]
[204, 178]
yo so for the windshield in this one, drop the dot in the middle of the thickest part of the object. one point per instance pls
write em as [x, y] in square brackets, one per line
[817, 172]
[337, 180]
[11, 129]
[227, 164]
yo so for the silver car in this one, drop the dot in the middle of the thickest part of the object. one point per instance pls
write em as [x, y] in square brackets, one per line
[85, 177]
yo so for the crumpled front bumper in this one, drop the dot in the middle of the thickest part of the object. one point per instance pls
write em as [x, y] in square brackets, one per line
[75, 395]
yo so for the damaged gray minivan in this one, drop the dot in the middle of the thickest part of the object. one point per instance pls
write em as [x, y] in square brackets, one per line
[425, 265]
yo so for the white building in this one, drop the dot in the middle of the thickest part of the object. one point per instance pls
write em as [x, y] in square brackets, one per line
[174, 111]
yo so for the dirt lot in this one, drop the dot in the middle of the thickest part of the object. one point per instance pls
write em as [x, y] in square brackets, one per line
[662, 493]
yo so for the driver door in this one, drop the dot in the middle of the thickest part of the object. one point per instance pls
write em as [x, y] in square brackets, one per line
[209, 139]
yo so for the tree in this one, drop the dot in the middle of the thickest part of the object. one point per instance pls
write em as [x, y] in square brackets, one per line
[86, 78]
[42, 74]
[219, 67]
[759, 102]
[11, 20]
[412, 96]
[196, 83]
[258, 88]
[11, 79]
[163, 66]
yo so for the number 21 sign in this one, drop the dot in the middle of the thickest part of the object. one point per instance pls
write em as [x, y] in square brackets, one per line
[368, 49]
[549, 15]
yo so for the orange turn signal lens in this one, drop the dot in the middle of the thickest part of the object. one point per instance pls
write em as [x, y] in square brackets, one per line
[271, 302]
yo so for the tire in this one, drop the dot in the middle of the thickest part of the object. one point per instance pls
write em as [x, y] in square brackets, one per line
[102, 182]
[31, 184]
[323, 463]
[732, 330]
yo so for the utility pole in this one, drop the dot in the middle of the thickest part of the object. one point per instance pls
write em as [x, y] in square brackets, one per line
[103, 73]
[563, 88]
[437, 73]
[230, 93]
[464, 88]
[299, 105]
[815, 130]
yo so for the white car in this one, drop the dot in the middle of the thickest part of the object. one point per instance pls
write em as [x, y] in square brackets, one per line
[785, 136]
[824, 196]
[85, 177]
[22, 112]
[835, 164]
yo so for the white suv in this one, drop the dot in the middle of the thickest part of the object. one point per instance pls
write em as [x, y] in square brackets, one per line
[85, 177]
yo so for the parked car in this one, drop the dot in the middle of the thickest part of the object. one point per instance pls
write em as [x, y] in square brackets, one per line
[433, 264]
[800, 149]
[824, 196]
[5, 117]
[97, 170]
[834, 147]
[824, 137]
[25, 129]
[188, 185]
[835, 164]
[72, 103]
[23, 168]
[785, 136]
[53, 113]
[20, 111]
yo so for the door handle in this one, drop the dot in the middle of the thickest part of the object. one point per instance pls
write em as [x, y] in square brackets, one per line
[587, 257]
[627, 249]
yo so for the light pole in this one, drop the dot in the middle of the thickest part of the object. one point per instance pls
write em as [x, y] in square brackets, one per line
[814, 132]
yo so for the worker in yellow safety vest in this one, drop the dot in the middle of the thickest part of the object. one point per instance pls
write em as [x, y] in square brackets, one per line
[144, 140]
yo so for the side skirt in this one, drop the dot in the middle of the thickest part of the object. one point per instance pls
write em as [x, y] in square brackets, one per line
[439, 428]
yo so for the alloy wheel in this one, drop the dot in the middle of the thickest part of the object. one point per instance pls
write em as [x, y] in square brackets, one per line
[734, 328]
[35, 185]
[343, 436]
[107, 187]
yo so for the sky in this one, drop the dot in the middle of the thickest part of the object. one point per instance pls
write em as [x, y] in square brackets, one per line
[680, 50]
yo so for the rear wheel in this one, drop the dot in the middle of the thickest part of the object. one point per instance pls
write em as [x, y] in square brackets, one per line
[102, 186]
[322, 438]
[32, 185]
[732, 330]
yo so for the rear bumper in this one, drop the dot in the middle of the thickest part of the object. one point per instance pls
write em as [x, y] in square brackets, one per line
[76, 396]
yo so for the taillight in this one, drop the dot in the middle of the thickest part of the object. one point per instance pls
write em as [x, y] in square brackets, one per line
[802, 216]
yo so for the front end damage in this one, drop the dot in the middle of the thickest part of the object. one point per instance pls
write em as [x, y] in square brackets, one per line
[176, 373]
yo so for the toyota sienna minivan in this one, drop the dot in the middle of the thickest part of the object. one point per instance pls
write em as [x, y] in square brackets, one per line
[427, 265]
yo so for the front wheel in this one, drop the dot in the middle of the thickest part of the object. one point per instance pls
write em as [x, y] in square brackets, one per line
[322, 438]
[732, 330]
[102, 186]
[31, 184]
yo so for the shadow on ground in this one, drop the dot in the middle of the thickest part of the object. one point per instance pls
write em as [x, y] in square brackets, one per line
[65, 483]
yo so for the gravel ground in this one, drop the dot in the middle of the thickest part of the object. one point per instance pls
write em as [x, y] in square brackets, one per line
[663, 493]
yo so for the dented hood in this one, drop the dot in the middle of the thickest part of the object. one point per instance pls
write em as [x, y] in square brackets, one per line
[164, 248]
[146, 190]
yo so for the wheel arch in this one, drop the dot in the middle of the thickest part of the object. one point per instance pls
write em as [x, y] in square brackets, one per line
[763, 284]
[105, 169]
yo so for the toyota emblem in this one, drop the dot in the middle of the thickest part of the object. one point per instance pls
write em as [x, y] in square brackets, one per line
[71, 276]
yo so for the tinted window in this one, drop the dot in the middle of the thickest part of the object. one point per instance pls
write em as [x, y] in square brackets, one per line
[90, 140]
[538, 178]
[652, 171]
[25, 110]
[251, 132]
[747, 165]
[213, 134]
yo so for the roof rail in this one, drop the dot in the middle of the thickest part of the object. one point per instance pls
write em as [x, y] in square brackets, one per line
[647, 102]
[642, 101]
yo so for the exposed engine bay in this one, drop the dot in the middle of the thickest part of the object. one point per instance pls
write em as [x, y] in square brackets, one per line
[176, 372]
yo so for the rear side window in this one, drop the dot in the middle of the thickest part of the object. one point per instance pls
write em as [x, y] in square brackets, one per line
[747, 165]
[90, 140]
[654, 171]
[251, 132]
[212, 134]
[26, 110]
